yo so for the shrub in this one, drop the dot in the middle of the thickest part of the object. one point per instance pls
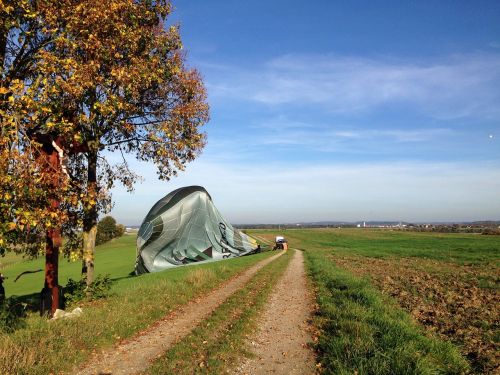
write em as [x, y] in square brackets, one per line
[76, 291]
[12, 314]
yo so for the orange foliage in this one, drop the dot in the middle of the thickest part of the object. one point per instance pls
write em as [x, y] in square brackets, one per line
[99, 75]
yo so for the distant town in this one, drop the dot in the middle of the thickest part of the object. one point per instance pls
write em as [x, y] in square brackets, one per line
[483, 227]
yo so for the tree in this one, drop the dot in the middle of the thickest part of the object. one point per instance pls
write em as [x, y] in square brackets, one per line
[120, 87]
[70, 91]
[106, 230]
[36, 200]
[120, 230]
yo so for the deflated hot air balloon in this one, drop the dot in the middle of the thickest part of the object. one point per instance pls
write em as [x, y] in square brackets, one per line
[185, 227]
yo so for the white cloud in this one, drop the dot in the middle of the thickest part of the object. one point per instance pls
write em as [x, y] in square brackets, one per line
[453, 87]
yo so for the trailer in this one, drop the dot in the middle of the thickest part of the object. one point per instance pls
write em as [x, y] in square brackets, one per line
[280, 243]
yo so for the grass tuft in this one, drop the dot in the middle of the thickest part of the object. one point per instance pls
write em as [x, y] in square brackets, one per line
[198, 276]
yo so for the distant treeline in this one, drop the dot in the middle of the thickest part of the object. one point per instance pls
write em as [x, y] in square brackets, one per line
[484, 227]
[455, 228]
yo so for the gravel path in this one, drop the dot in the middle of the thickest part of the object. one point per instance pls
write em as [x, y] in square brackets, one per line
[135, 355]
[280, 343]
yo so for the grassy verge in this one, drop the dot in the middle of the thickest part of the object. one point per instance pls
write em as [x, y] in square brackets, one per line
[215, 346]
[363, 332]
[43, 347]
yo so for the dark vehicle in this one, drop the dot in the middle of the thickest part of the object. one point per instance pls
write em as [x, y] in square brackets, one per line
[280, 243]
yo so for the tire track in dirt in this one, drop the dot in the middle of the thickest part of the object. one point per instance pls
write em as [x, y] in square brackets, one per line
[135, 354]
[281, 341]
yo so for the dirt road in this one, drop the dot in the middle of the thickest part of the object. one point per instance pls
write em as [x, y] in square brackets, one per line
[280, 343]
[134, 355]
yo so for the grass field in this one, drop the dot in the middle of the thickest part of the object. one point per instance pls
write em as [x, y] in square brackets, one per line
[373, 285]
[454, 248]
[43, 347]
[116, 258]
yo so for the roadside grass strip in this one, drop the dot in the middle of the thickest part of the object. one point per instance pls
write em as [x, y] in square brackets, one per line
[363, 332]
[43, 347]
[219, 343]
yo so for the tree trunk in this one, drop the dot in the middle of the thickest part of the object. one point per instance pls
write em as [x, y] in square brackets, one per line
[53, 239]
[90, 221]
[88, 254]
[52, 267]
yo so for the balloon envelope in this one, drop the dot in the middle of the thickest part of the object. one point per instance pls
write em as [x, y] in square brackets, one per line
[185, 227]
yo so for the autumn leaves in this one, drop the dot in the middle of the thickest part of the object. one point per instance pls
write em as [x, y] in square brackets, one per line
[89, 76]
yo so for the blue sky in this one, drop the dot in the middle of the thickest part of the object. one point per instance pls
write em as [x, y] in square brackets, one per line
[342, 110]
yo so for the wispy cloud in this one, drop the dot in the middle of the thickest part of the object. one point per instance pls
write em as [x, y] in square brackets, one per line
[322, 136]
[448, 88]
[273, 192]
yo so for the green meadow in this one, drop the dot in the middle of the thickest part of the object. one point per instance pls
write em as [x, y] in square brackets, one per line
[115, 258]
[383, 243]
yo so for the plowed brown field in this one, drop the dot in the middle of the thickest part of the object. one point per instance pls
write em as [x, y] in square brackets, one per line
[460, 302]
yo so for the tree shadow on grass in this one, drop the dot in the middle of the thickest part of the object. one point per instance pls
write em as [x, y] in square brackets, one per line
[129, 276]
[15, 309]
[12, 313]
[30, 302]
